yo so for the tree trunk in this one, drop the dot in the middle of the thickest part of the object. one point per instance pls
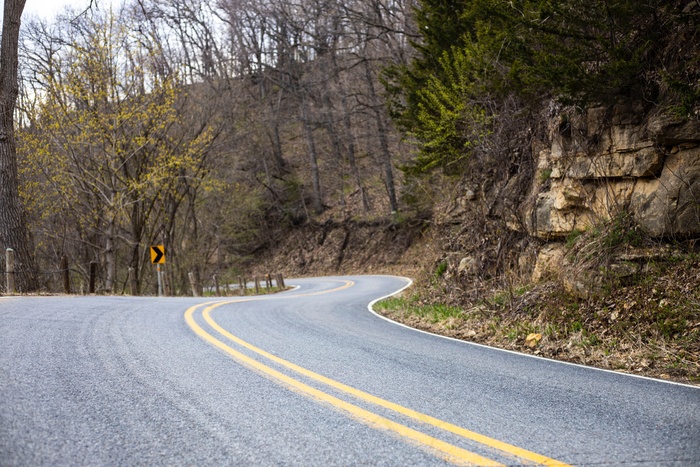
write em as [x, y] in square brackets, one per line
[313, 157]
[110, 260]
[352, 159]
[276, 141]
[135, 266]
[383, 142]
[337, 151]
[13, 229]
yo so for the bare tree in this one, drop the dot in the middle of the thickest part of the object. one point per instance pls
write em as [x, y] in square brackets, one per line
[13, 229]
[288, 92]
[117, 136]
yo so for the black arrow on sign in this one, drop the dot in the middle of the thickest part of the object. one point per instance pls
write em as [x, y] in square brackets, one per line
[159, 254]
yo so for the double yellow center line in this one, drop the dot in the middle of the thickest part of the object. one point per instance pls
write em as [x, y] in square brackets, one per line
[449, 452]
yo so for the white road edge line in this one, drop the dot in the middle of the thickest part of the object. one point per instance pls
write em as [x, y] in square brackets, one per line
[410, 283]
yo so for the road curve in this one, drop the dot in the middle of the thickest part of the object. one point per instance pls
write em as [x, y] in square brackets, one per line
[307, 377]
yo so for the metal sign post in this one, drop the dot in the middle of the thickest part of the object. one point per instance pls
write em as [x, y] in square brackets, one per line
[158, 258]
[160, 282]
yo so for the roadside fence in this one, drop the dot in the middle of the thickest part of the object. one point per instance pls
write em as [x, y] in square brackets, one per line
[63, 280]
[245, 286]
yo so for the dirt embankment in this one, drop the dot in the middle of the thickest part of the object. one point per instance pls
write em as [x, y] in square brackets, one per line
[331, 247]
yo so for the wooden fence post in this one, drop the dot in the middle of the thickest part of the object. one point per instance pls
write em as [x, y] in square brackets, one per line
[257, 285]
[66, 274]
[193, 284]
[280, 281]
[93, 277]
[267, 283]
[10, 270]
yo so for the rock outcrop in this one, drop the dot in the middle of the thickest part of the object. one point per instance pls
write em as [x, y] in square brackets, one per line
[600, 164]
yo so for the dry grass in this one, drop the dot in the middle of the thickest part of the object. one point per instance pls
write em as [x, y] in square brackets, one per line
[650, 326]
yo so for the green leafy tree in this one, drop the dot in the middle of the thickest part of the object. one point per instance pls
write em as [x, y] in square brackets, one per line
[450, 120]
[590, 52]
[578, 51]
[440, 26]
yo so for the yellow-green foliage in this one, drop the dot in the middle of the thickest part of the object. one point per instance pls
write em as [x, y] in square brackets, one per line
[450, 121]
[107, 144]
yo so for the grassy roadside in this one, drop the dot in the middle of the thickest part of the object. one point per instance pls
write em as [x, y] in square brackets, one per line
[648, 326]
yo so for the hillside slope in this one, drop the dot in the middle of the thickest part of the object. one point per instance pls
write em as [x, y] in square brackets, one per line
[647, 323]
[583, 248]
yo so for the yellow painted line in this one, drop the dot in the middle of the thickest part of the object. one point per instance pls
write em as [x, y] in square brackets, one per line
[505, 448]
[449, 452]
[468, 434]
[346, 284]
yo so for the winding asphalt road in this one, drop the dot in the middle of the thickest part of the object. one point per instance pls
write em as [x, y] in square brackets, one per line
[307, 377]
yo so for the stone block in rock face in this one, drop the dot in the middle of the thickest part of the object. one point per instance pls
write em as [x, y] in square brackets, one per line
[544, 160]
[565, 207]
[468, 265]
[550, 222]
[595, 120]
[549, 260]
[668, 132]
[625, 154]
[602, 170]
[670, 204]
[611, 198]
[568, 195]
[557, 150]
[630, 138]
[647, 162]
[549, 164]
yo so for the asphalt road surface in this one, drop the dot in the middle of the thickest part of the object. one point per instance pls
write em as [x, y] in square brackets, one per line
[307, 377]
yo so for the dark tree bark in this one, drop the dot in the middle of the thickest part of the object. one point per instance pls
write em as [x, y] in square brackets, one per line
[383, 143]
[352, 156]
[313, 156]
[13, 229]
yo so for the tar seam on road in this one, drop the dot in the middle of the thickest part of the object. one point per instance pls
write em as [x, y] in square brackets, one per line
[450, 452]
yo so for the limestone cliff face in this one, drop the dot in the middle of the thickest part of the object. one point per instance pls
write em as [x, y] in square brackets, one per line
[599, 163]
[591, 167]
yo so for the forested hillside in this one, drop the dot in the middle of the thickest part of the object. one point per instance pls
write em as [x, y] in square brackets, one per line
[522, 149]
[209, 127]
